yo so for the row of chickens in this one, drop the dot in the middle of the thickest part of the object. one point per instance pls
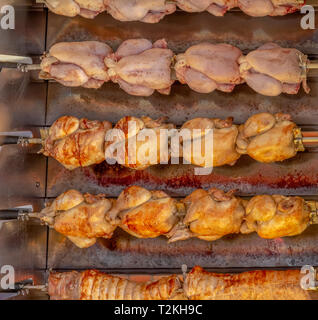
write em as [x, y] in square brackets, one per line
[141, 67]
[198, 284]
[207, 215]
[151, 11]
[80, 143]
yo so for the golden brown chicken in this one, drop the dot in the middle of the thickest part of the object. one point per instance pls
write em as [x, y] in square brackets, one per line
[210, 215]
[207, 215]
[276, 216]
[76, 143]
[137, 144]
[207, 67]
[221, 152]
[254, 285]
[140, 67]
[268, 138]
[79, 217]
[95, 285]
[75, 64]
[271, 70]
[143, 213]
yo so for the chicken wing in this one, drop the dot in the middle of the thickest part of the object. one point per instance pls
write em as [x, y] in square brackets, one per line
[143, 213]
[79, 217]
[206, 67]
[150, 11]
[271, 70]
[138, 144]
[76, 143]
[267, 138]
[75, 64]
[140, 67]
[95, 285]
[254, 285]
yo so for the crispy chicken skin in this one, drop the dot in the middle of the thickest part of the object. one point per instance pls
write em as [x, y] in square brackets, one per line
[210, 215]
[134, 131]
[149, 11]
[276, 216]
[224, 138]
[206, 67]
[95, 285]
[143, 213]
[267, 138]
[207, 215]
[75, 64]
[76, 143]
[271, 70]
[79, 217]
[254, 285]
[140, 67]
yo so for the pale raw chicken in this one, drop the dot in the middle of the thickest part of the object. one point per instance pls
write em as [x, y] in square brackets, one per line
[261, 8]
[268, 138]
[215, 7]
[79, 217]
[74, 142]
[71, 8]
[276, 216]
[224, 142]
[141, 68]
[272, 70]
[210, 215]
[146, 150]
[75, 64]
[143, 213]
[150, 11]
[206, 67]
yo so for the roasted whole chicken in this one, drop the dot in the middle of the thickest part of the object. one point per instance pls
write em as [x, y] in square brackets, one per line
[75, 64]
[139, 143]
[132, 148]
[143, 213]
[223, 150]
[210, 215]
[150, 11]
[267, 138]
[79, 217]
[206, 67]
[271, 70]
[140, 67]
[95, 285]
[75, 143]
[207, 215]
[254, 285]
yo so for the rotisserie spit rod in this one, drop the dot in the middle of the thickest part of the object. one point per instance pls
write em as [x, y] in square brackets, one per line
[141, 67]
[198, 284]
[264, 137]
[207, 215]
[152, 12]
